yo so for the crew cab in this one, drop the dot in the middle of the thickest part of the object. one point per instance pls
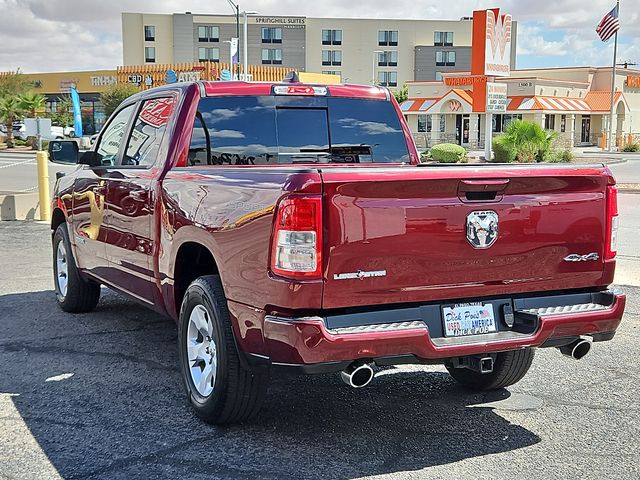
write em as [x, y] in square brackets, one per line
[292, 227]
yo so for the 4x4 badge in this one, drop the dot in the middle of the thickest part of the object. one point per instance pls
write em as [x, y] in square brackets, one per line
[482, 228]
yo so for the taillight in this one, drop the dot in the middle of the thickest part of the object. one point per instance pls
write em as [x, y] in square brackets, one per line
[297, 237]
[611, 240]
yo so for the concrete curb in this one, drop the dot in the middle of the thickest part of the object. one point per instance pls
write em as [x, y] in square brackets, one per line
[19, 206]
[18, 152]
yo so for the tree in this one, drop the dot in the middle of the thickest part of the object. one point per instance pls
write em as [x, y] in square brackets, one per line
[32, 103]
[402, 93]
[10, 110]
[115, 95]
[13, 84]
[63, 116]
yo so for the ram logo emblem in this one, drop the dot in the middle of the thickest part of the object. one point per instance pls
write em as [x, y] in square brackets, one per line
[482, 228]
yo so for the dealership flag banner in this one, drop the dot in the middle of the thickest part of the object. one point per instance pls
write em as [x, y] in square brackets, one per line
[77, 115]
[608, 27]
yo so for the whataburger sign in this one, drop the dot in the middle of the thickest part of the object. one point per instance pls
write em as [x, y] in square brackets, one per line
[490, 51]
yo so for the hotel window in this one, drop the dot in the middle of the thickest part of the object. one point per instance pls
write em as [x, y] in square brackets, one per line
[333, 72]
[388, 79]
[443, 39]
[149, 33]
[271, 35]
[208, 54]
[332, 57]
[332, 37]
[445, 59]
[439, 76]
[208, 33]
[549, 122]
[563, 123]
[272, 56]
[388, 38]
[388, 59]
[150, 54]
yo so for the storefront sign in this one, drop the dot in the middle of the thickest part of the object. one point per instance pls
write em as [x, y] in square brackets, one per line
[281, 20]
[137, 79]
[65, 85]
[461, 81]
[491, 44]
[103, 80]
[188, 76]
[454, 105]
[496, 97]
[633, 81]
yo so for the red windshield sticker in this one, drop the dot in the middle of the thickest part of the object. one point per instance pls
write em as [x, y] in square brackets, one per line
[157, 112]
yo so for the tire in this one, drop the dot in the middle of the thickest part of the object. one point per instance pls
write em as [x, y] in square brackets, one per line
[508, 369]
[229, 393]
[74, 294]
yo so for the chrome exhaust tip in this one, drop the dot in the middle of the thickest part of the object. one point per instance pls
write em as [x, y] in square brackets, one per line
[357, 375]
[577, 349]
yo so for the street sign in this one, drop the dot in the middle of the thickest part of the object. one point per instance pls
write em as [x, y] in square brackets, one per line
[37, 126]
[496, 97]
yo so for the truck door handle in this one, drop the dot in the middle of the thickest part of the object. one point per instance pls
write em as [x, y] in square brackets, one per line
[482, 190]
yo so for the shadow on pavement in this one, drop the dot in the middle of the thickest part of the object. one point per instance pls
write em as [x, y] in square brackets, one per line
[123, 413]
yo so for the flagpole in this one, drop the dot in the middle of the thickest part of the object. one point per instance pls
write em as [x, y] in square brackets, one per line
[613, 86]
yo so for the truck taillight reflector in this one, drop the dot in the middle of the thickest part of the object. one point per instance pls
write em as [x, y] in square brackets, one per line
[297, 237]
[299, 90]
[611, 240]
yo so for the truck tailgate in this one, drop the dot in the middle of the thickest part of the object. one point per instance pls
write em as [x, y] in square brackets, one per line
[415, 234]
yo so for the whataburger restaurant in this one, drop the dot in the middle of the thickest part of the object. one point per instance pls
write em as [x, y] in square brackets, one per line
[575, 102]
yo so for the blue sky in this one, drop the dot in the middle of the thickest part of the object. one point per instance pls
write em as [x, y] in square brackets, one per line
[56, 35]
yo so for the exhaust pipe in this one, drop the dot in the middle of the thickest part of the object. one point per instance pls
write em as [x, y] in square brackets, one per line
[577, 349]
[357, 375]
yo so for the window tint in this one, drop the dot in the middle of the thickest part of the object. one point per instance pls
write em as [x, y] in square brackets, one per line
[148, 131]
[302, 130]
[111, 137]
[368, 123]
[238, 130]
[268, 130]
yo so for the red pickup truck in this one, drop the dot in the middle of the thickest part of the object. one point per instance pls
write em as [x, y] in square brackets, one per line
[287, 226]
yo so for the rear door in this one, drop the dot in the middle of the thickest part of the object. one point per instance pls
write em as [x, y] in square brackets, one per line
[129, 199]
[413, 234]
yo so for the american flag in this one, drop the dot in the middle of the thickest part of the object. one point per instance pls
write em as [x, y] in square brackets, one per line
[608, 25]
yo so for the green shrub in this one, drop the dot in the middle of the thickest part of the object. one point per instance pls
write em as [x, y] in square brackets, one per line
[528, 152]
[631, 147]
[448, 153]
[503, 150]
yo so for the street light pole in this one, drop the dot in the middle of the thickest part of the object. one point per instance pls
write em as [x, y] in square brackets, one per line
[237, 9]
[373, 70]
[245, 41]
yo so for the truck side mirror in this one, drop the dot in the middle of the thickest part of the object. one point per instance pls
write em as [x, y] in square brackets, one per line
[63, 151]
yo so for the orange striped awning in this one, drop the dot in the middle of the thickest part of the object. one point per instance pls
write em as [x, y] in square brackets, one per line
[601, 101]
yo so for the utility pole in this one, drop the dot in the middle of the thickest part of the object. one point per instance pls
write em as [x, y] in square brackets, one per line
[245, 41]
[237, 9]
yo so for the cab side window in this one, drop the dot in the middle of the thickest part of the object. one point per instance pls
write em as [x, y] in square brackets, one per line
[148, 131]
[112, 137]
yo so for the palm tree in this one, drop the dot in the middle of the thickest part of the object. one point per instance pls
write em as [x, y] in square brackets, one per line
[32, 103]
[10, 110]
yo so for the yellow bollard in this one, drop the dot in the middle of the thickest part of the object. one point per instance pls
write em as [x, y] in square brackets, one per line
[42, 158]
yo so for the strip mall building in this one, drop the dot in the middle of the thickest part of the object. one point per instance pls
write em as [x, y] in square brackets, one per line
[575, 102]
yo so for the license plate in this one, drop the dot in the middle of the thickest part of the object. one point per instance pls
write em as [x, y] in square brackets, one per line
[468, 319]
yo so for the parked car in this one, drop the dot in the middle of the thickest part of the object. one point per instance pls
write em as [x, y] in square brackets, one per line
[291, 227]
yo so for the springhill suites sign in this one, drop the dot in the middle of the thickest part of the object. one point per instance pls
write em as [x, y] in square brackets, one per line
[282, 20]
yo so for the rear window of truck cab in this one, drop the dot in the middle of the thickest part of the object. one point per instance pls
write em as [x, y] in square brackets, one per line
[263, 130]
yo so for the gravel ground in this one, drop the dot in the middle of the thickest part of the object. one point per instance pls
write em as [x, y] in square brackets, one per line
[98, 396]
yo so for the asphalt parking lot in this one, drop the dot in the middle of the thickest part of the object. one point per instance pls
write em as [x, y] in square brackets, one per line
[98, 396]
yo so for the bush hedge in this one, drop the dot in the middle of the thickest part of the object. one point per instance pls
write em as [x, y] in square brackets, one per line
[631, 147]
[448, 153]
[504, 151]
